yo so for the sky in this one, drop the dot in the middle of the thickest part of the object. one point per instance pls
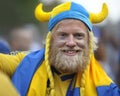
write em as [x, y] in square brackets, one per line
[95, 6]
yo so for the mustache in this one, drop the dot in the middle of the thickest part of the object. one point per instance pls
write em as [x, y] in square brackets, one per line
[68, 48]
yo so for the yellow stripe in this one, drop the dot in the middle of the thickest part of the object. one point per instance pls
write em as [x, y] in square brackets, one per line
[61, 8]
[39, 82]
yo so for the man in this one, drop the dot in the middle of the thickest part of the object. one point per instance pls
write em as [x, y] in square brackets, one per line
[66, 66]
[24, 38]
[20, 38]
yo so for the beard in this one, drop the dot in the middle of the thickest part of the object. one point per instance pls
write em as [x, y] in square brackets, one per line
[68, 64]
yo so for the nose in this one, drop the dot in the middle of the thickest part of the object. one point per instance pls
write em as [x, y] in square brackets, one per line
[71, 41]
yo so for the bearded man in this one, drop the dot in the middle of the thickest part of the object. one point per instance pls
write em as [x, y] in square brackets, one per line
[66, 66]
[69, 51]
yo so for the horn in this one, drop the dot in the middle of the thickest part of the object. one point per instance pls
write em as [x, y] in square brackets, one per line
[40, 14]
[96, 18]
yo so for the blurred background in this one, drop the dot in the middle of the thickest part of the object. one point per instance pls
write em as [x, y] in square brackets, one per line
[19, 30]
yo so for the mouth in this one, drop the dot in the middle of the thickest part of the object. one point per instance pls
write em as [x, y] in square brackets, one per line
[70, 52]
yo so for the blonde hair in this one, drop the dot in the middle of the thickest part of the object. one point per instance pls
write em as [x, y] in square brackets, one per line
[50, 76]
[92, 47]
[93, 41]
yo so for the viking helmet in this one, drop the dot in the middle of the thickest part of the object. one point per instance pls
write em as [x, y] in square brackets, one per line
[70, 10]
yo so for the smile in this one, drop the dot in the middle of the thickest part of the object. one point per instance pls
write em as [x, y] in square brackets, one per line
[70, 52]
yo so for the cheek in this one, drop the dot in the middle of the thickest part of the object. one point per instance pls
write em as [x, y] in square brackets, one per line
[59, 43]
[82, 44]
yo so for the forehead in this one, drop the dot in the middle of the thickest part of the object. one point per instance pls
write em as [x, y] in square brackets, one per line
[70, 24]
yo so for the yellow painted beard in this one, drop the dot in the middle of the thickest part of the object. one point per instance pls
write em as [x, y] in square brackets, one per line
[68, 64]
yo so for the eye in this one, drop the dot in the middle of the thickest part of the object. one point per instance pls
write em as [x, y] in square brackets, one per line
[79, 35]
[63, 35]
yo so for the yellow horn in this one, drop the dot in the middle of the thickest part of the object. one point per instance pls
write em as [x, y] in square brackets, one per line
[40, 14]
[96, 18]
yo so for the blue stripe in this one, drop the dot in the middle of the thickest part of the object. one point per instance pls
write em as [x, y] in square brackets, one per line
[71, 90]
[25, 71]
[76, 92]
[79, 8]
[54, 70]
[65, 77]
[111, 90]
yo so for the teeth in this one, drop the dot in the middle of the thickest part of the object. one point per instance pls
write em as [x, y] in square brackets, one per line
[70, 52]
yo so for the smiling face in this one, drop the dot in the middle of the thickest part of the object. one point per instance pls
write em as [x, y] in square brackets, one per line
[69, 46]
